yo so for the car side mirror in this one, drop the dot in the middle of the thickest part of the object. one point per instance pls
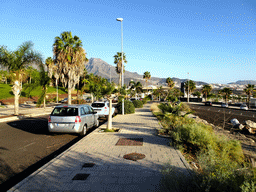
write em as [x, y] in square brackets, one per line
[94, 112]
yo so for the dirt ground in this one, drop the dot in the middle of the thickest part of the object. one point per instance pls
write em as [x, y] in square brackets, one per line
[223, 126]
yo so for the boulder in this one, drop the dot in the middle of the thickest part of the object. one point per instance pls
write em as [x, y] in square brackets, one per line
[251, 124]
[234, 122]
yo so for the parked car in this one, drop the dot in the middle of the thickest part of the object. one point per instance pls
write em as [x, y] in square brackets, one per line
[65, 100]
[208, 103]
[244, 107]
[88, 100]
[102, 108]
[72, 119]
[224, 105]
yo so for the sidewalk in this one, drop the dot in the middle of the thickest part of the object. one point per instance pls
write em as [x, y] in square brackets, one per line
[111, 172]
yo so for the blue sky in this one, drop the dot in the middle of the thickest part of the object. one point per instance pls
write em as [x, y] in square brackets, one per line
[213, 40]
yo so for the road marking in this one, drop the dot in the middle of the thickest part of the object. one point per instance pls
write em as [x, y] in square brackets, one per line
[208, 109]
[229, 112]
[219, 111]
[27, 145]
[241, 114]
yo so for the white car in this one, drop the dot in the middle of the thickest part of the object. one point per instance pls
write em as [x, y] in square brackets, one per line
[102, 108]
[224, 105]
[244, 107]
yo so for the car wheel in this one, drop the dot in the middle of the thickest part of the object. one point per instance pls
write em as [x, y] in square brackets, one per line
[83, 133]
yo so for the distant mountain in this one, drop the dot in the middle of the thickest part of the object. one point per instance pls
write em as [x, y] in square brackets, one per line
[103, 69]
[244, 82]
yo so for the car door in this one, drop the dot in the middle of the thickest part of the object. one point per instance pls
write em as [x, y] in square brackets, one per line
[83, 116]
[89, 116]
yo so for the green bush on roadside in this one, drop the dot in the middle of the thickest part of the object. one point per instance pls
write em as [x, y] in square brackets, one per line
[222, 165]
[137, 104]
[128, 107]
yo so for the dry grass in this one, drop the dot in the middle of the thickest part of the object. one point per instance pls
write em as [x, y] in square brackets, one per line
[154, 107]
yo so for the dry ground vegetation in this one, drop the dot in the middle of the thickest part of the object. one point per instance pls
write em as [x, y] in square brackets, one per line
[217, 160]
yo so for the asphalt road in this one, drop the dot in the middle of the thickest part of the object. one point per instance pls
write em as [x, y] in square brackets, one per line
[233, 111]
[26, 145]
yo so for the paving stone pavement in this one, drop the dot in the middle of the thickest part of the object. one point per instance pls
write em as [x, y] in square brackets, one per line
[111, 171]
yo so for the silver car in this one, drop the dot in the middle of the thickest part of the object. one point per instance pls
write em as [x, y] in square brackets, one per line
[72, 119]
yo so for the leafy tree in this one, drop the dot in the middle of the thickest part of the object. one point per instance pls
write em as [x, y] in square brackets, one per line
[190, 85]
[118, 62]
[197, 94]
[44, 84]
[170, 82]
[69, 58]
[249, 91]
[147, 76]
[206, 90]
[16, 62]
[226, 92]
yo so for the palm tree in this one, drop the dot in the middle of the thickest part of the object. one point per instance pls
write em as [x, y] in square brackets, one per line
[249, 90]
[44, 84]
[189, 86]
[16, 62]
[69, 58]
[118, 62]
[170, 82]
[197, 94]
[206, 90]
[147, 76]
[226, 92]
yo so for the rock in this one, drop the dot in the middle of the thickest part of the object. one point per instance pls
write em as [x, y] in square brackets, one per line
[250, 124]
[241, 126]
[234, 121]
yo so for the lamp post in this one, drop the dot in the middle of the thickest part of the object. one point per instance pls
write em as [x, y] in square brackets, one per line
[122, 72]
[188, 88]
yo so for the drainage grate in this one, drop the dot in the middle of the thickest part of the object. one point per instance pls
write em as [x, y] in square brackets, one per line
[134, 156]
[130, 141]
[88, 165]
[81, 176]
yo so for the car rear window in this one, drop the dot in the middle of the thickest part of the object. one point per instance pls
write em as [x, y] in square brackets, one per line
[65, 111]
[98, 104]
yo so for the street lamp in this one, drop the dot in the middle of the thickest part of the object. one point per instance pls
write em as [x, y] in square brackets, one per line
[122, 72]
[188, 88]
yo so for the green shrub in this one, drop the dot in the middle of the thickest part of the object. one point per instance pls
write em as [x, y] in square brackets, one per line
[137, 104]
[145, 100]
[169, 108]
[185, 107]
[128, 107]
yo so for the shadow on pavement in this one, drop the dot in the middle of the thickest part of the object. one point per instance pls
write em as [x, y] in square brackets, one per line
[37, 125]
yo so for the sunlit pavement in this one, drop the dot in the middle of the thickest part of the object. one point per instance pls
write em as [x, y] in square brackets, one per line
[108, 170]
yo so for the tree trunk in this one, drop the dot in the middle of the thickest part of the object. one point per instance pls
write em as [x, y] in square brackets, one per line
[69, 95]
[110, 115]
[120, 79]
[16, 104]
[44, 102]
[92, 97]
[16, 89]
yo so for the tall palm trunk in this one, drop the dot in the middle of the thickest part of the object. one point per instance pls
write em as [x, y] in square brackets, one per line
[69, 95]
[120, 79]
[16, 89]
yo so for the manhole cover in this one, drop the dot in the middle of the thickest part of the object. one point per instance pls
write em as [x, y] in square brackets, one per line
[130, 141]
[134, 156]
[81, 176]
[88, 165]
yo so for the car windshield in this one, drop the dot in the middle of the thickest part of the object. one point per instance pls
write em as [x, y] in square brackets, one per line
[98, 104]
[65, 111]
